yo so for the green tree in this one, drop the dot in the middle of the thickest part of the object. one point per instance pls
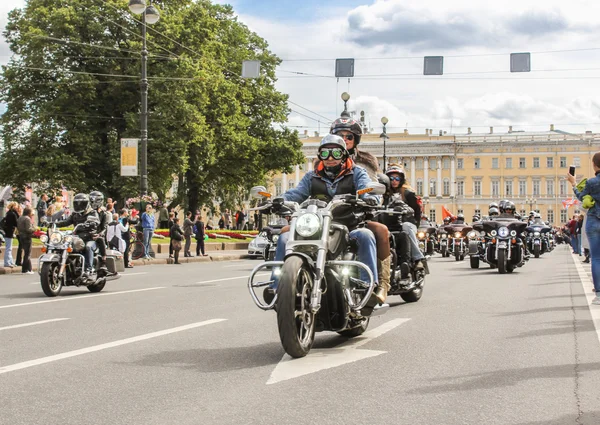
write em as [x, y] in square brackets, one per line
[73, 91]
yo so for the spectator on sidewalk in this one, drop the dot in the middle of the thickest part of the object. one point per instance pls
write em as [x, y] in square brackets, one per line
[176, 235]
[188, 231]
[579, 231]
[163, 217]
[127, 222]
[148, 229]
[114, 234]
[585, 243]
[10, 225]
[42, 207]
[26, 227]
[199, 234]
[227, 219]
[572, 225]
[169, 225]
[19, 261]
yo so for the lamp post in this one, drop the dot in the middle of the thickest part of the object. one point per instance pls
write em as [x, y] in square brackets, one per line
[149, 16]
[345, 98]
[531, 201]
[384, 137]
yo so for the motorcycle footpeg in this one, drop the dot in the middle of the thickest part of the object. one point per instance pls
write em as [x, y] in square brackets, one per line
[360, 283]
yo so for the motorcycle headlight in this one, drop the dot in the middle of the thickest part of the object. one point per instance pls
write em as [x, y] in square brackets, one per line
[493, 233]
[482, 233]
[307, 225]
[421, 235]
[472, 235]
[513, 233]
[457, 235]
[44, 238]
[68, 239]
[56, 238]
[536, 234]
[275, 238]
[444, 236]
[503, 232]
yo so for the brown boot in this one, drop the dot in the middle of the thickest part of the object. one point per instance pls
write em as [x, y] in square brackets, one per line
[384, 271]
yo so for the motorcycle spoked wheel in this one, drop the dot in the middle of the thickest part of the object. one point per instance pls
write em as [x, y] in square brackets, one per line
[502, 261]
[51, 284]
[295, 321]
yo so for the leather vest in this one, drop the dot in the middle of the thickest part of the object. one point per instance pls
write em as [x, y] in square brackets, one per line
[342, 214]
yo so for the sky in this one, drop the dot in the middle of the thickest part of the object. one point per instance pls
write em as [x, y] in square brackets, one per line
[388, 40]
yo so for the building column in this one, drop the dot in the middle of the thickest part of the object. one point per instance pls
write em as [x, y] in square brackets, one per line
[297, 177]
[439, 177]
[309, 164]
[284, 183]
[426, 177]
[453, 177]
[413, 172]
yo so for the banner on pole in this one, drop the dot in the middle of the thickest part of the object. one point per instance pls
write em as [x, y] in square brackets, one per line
[129, 157]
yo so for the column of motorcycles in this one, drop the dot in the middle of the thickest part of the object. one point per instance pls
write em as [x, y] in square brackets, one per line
[318, 287]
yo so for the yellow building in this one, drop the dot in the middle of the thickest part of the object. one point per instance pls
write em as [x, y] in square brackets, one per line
[466, 172]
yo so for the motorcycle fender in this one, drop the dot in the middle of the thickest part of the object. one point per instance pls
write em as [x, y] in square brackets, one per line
[536, 242]
[305, 258]
[502, 245]
[473, 248]
[50, 258]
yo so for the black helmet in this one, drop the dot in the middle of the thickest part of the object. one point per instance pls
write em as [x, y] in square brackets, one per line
[509, 207]
[493, 205]
[494, 211]
[461, 215]
[447, 220]
[96, 199]
[531, 213]
[501, 205]
[81, 202]
[348, 124]
[476, 218]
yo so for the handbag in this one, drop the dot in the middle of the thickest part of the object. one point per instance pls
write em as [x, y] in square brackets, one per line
[176, 245]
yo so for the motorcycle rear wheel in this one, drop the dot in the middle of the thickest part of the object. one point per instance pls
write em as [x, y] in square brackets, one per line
[474, 262]
[295, 321]
[51, 284]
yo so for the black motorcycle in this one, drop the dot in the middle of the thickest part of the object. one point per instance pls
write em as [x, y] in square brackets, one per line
[504, 248]
[443, 239]
[538, 239]
[458, 245]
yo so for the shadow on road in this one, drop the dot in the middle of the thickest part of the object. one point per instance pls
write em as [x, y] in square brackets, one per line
[586, 418]
[567, 328]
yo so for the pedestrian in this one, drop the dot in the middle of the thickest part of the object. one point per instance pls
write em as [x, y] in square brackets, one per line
[222, 222]
[572, 225]
[176, 235]
[42, 207]
[241, 220]
[227, 219]
[169, 225]
[592, 225]
[188, 231]
[199, 234]
[114, 234]
[579, 231]
[10, 225]
[26, 227]
[585, 243]
[148, 229]
[19, 261]
[256, 226]
[110, 208]
[163, 217]
[127, 222]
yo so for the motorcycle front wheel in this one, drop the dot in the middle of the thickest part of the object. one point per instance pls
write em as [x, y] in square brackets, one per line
[536, 251]
[295, 321]
[97, 287]
[502, 262]
[51, 283]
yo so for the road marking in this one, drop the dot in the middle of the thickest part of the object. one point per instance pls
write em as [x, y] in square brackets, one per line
[94, 348]
[22, 325]
[588, 285]
[132, 274]
[322, 359]
[82, 297]
[233, 278]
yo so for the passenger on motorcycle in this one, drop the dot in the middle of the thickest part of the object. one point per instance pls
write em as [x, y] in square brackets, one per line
[335, 174]
[97, 203]
[84, 214]
[399, 186]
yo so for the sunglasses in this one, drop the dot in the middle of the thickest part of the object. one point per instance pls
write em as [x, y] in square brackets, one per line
[397, 179]
[336, 153]
[347, 136]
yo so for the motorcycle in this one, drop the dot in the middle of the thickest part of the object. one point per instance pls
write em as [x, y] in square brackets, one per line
[538, 241]
[318, 288]
[426, 238]
[457, 245]
[442, 237]
[272, 233]
[504, 248]
[62, 263]
[477, 245]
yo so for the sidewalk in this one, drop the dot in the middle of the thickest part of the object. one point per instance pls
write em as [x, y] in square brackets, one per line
[162, 259]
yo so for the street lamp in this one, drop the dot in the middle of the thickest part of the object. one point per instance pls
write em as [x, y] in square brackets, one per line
[345, 98]
[384, 137]
[531, 201]
[150, 15]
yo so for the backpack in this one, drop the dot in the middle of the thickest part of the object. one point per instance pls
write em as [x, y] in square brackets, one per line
[419, 202]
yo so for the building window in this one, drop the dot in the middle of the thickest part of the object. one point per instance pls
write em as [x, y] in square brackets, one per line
[495, 163]
[563, 188]
[550, 187]
[563, 162]
[432, 187]
[460, 188]
[551, 216]
[446, 163]
[522, 187]
[291, 185]
[420, 187]
[419, 163]
[508, 162]
[576, 162]
[446, 187]
[550, 162]
[564, 214]
[460, 212]
[477, 163]
[478, 212]
[433, 164]
[477, 188]
[495, 188]
[460, 164]
[407, 165]
[277, 188]
[432, 215]
[536, 163]
[536, 188]
[523, 213]
[522, 163]
[508, 188]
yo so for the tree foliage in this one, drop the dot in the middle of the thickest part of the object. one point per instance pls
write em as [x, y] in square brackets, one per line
[73, 92]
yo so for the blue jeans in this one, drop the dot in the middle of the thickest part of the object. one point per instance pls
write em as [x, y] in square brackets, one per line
[90, 247]
[8, 258]
[575, 243]
[592, 229]
[411, 231]
[147, 241]
[367, 252]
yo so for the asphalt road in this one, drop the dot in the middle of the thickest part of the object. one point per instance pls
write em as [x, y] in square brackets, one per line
[185, 345]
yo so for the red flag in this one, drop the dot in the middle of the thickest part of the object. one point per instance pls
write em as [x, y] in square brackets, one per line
[447, 213]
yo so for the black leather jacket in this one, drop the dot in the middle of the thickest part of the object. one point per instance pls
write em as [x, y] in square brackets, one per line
[89, 220]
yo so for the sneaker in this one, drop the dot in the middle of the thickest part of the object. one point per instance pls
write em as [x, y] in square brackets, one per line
[596, 301]
[29, 272]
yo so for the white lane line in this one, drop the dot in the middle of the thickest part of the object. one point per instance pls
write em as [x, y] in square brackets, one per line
[233, 278]
[81, 297]
[588, 285]
[22, 325]
[94, 348]
[132, 274]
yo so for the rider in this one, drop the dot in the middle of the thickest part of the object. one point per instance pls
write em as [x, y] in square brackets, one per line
[84, 214]
[460, 219]
[508, 209]
[398, 185]
[97, 203]
[493, 212]
[335, 174]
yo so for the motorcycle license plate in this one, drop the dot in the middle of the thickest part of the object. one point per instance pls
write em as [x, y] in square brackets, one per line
[502, 245]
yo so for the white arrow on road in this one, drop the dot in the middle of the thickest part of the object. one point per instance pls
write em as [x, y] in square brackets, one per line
[321, 359]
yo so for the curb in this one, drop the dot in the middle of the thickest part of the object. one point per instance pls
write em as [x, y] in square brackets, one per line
[157, 261]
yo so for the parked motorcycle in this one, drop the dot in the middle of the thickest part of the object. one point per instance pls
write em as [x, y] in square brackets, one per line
[62, 263]
[318, 288]
[504, 248]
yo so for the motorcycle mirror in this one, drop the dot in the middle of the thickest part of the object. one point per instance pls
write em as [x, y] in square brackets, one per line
[376, 188]
[258, 192]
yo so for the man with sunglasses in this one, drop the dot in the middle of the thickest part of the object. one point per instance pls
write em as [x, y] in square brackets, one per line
[335, 174]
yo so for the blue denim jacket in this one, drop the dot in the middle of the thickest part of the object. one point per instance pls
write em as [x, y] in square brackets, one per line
[302, 192]
[147, 221]
[592, 187]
